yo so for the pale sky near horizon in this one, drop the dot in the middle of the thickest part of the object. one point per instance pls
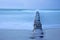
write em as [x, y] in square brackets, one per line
[30, 4]
[25, 20]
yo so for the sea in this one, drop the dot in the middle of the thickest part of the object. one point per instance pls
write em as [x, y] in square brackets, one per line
[10, 34]
[17, 24]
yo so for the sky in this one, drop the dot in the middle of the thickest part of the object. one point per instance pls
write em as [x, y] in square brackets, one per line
[30, 4]
[25, 20]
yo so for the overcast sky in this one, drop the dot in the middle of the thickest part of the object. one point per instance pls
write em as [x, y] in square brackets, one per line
[30, 4]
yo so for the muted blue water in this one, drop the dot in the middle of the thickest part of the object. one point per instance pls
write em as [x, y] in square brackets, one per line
[19, 19]
[48, 17]
[8, 34]
[15, 34]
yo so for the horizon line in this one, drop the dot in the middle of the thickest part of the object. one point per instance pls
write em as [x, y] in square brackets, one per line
[24, 9]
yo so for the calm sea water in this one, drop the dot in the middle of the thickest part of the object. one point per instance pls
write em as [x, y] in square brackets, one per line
[50, 34]
[14, 34]
[24, 20]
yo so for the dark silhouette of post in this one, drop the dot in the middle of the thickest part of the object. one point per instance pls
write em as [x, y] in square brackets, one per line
[37, 31]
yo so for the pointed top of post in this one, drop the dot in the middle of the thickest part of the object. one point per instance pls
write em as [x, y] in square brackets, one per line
[37, 17]
[37, 13]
